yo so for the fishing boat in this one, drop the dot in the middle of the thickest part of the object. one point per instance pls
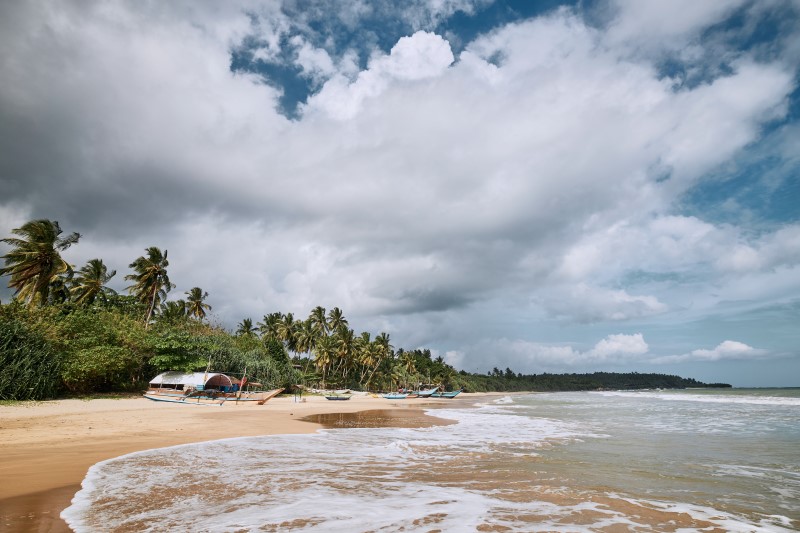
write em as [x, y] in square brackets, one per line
[396, 396]
[205, 388]
[451, 394]
[337, 397]
[424, 393]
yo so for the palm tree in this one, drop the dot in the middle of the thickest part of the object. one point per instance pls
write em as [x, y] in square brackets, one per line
[195, 306]
[407, 361]
[345, 342]
[58, 293]
[151, 282]
[34, 261]
[324, 352]
[365, 354]
[173, 311]
[268, 327]
[286, 330]
[318, 321]
[336, 319]
[246, 328]
[305, 339]
[90, 281]
[372, 354]
[383, 342]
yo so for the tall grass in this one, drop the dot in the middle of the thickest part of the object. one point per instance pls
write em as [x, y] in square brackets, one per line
[29, 368]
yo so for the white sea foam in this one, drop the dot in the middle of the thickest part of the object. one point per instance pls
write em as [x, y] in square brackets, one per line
[504, 400]
[388, 479]
[343, 459]
[707, 398]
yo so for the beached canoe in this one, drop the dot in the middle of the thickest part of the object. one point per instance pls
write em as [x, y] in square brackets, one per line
[213, 397]
[452, 394]
[423, 393]
[337, 397]
[200, 388]
[395, 396]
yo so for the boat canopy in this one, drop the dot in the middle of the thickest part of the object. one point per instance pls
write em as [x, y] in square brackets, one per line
[212, 380]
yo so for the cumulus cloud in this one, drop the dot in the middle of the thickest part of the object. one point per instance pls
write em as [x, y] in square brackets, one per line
[417, 57]
[592, 304]
[532, 357]
[725, 351]
[658, 24]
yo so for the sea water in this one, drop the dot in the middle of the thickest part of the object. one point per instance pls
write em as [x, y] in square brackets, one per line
[701, 460]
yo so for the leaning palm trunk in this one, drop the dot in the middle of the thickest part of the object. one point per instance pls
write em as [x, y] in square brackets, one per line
[369, 379]
[152, 307]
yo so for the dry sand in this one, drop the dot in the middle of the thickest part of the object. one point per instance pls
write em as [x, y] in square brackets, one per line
[47, 447]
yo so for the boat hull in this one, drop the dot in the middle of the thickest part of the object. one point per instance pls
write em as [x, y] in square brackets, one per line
[204, 398]
[452, 394]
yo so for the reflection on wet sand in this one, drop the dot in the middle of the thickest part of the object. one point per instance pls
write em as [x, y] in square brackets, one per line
[378, 418]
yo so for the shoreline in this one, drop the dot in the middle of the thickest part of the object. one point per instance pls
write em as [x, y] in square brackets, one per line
[47, 447]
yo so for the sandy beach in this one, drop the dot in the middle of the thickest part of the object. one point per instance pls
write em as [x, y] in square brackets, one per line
[47, 447]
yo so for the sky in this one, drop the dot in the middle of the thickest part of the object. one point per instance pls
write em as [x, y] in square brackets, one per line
[548, 186]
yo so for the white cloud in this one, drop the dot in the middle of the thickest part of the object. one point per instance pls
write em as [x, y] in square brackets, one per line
[315, 63]
[725, 351]
[651, 23]
[593, 304]
[619, 346]
[417, 57]
[532, 357]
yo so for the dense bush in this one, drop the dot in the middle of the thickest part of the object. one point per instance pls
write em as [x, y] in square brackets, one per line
[31, 370]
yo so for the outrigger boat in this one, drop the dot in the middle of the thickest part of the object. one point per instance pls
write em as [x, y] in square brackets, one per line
[424, 393]
[395, 396]
[452, 394]
[198, 388]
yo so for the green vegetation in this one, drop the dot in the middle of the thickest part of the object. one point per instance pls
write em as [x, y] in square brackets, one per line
[508, 380]
[70, 334]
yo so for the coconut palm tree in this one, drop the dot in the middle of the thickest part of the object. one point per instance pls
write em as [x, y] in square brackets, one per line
[407, 361]
[34, 261]
[59, 289]
[345, 342]
[287, 331]
[324, 353]
[151, 282]
[173, 311]
[268, 327]
[305, 339]
[195, 306]
[364, 354]
[372, 355]
[246, 328]
[383, 342]
[336, 319]
[318, 321]
[90, 282]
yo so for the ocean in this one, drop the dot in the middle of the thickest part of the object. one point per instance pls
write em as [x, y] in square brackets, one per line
[692, 460]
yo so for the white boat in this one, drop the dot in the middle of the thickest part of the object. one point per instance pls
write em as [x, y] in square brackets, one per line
[204, 388]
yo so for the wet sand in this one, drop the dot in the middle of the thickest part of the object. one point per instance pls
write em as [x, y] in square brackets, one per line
[47, 447]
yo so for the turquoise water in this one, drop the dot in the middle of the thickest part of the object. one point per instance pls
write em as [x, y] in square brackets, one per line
[699, 460]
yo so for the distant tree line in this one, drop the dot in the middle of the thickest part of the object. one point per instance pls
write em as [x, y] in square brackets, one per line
[510, 381]
[66, 332]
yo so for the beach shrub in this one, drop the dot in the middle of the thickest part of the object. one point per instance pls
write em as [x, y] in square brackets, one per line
[29, 368]
[233, 355]
[101, 350]
[176, 349]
